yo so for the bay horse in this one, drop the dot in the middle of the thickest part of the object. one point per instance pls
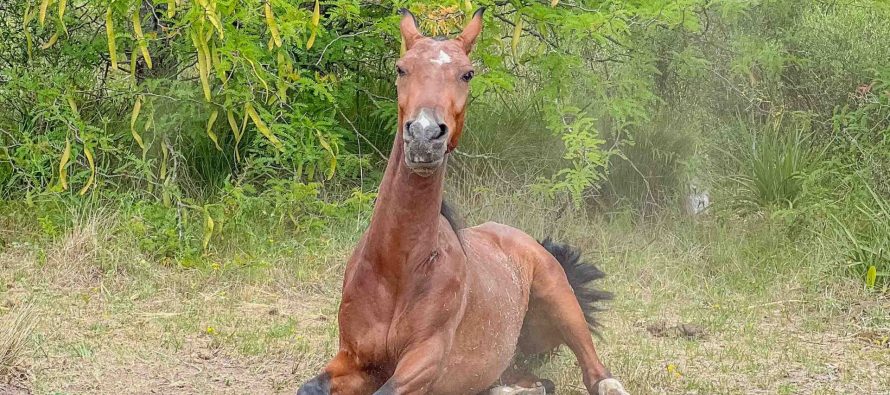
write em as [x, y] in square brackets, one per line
[429, 309]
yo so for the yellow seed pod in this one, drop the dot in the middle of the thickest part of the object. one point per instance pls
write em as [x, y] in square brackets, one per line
[62, 5]
[89, 154]
[210, 132]
[52, 40]
[270, 21]
[517, 33]
[26, 19]
[261, 126]
[208, 234]
[871, 277]
[63, 164]
[165, 155]
[134, 116]
[203, 67]
[137, 31]
[112, 45]
[333, 163]
[41, 17]
[316, 17]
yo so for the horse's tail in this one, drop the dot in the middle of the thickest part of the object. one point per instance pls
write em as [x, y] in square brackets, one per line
[581, 276]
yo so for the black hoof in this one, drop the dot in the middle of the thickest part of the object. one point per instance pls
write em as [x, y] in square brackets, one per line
[549, 387]
[320, 385]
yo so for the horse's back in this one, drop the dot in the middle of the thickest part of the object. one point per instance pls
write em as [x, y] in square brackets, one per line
[498, 244]
[500, 257]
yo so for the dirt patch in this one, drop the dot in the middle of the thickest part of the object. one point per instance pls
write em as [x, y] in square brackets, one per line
[876, 338]
[665, 329]
[9, 389]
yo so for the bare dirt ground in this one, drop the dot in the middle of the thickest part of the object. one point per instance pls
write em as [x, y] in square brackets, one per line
[690, 316]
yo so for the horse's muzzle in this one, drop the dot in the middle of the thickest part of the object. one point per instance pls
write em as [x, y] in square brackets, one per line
[425, 143]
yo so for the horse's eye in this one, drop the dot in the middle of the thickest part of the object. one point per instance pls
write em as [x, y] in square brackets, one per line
[468, 76]
[401, 71]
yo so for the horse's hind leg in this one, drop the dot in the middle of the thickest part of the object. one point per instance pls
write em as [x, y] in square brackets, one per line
[553, 299]
[519, 380]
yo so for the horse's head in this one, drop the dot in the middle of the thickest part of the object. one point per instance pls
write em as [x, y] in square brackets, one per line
[433, 85]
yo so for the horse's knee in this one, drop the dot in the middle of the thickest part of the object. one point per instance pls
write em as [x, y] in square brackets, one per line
[320, 385]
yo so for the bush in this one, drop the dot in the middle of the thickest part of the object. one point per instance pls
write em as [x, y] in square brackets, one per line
[651, 172]
[861, 150]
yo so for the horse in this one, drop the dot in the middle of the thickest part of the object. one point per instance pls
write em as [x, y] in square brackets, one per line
[428, 308]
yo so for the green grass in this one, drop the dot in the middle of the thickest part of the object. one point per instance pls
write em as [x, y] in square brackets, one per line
[776, 315]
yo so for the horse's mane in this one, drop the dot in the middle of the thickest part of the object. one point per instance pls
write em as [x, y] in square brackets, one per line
[452, 216]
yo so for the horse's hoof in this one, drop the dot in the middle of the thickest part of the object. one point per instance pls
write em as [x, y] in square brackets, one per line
[319, 385]
[610, 387]
[517, 390]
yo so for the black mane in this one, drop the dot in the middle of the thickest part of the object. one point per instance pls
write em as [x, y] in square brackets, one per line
[452, 216]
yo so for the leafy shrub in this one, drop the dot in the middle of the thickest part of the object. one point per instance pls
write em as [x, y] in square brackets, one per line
[162, 233]
[860, 147]
[835, 48]
[177, 99]
[587, 161]
[861, 133]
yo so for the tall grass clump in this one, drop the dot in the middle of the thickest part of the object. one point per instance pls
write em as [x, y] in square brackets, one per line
[771, 170]
[15, 329]
[865, 239]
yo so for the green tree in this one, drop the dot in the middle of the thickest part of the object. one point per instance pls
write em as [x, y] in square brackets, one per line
[174, 96]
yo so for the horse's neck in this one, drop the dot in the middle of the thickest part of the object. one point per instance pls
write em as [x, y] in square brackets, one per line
[405, 221]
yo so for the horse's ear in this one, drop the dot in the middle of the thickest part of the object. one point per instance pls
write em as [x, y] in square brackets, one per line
[408, 26]
[468, 36]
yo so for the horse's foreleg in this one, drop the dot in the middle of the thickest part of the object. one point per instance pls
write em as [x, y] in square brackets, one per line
[418, 369]
[340, 377]
[552, 290]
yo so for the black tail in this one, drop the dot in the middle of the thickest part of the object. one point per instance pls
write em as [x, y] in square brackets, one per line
[581, 276]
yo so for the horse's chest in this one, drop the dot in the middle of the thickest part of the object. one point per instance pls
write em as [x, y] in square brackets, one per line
[364, 325]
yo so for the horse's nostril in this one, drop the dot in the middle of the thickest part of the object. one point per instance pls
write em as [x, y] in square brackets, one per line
[443, 128]
[408, 126]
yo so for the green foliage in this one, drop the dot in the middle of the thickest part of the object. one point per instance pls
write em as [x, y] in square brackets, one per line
[861, 132]
[651, 169]
[582, 150]
[224, 122]
[246, 219]
[861, 148]
[173, 98]
[836, 48]
[865, 239]
[772, 169]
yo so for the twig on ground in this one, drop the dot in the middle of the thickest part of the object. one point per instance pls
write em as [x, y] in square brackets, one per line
[754, 306]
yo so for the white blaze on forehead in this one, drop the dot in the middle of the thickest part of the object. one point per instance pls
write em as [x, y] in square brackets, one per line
[442, 59]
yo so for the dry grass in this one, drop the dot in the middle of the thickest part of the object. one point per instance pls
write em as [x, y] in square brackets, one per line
[773, 317]
[72, 260]
[770, 313]
[16, 326]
